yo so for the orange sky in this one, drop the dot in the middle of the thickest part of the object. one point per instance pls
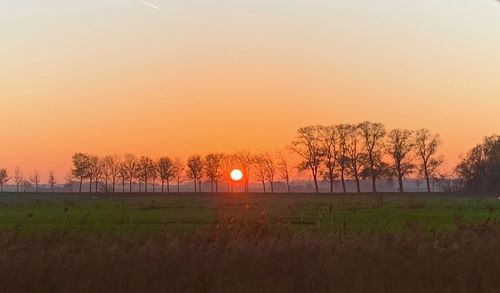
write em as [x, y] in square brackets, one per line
[199, 76]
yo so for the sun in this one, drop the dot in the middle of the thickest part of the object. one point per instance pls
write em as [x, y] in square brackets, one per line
[236, 175]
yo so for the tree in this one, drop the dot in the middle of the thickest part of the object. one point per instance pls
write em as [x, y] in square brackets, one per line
[130, 167]
[4, 178]
[166, 170]
[52, 180]
[399, 147]
[342, 157]
[213, 169]
[112, 165]
[179, 172]
[154, 175]
[27, 185]
[80, 170]
[426, 146]
[373, 135]
[355, 152]
[261, 169]
[270, 170]
[308, 146]
[479, 170]
[146, 168]
[245, 160]
[95, 171]
[123, 175]
[284, 170]
[69, 180]
[228, 163]
[329, 145]
[195, 169]
[35, 179]
[18, 177]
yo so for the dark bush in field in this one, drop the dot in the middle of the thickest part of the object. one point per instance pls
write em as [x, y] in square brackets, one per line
[242, 256]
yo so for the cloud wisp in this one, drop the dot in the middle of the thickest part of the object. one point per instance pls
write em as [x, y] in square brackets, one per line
[149, 4]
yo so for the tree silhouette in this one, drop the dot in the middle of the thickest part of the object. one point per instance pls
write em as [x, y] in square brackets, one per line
[4, 178]
[52, 180]
[18, 177]
[195, 169]
[426, 146]
[130, 168]
[35, 179]
[399, 146]
[166, 170]
[284, 170]
[355, 152]
[81, 164]
[179, 172]
[373, 135]
[342, 157]
[307, 145]
[213, 169]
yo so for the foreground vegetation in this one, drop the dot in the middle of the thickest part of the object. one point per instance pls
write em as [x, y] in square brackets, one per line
[249, 243]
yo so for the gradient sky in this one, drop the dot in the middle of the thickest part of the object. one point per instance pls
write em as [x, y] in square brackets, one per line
[115, 76]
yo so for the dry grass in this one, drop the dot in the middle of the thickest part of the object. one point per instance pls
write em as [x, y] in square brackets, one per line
[243, 254]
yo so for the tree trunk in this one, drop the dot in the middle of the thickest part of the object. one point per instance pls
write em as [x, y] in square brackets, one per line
[264, 186]
[272, 186]
[162, 185]
[168, 186]
[331, 183]
[316, 183]
[374, 183]
[90, 185]
[81, 183]
[199, 185]
[130, 185]
[400, 180]
[358, 187]
[96, 183]
[216, 186]
[343, 180]
[195, 185]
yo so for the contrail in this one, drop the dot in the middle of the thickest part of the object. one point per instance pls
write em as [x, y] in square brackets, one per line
[149, 4]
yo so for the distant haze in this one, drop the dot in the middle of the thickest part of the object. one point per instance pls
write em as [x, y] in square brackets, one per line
[118, 76]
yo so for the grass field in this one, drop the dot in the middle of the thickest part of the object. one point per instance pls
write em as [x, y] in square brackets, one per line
[249, 243]
[184, 213]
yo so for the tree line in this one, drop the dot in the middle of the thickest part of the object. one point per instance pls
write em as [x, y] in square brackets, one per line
[334, 153]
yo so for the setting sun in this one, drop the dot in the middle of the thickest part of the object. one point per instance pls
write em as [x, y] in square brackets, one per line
[236, 175]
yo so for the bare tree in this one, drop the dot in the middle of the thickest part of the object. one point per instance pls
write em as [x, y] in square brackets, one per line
[355, 152]
[154, 175]
[123, 175]
[342, 157]
[284, 170]
[329, 145]
[4, 178]
[112, 165]
[179, 172]
[213, 169]
[35, 179]
[245, 160]
[261, 169]
[399, 146]
[228, 163]
[426, 146]
[146, 168]
[195, 169]
[52, 180]
[166, 170]
[69, 180]
[95, 171]
[27, 185]
[307, 145]
[18, 177]
[130, 167]
[270, 166]
[373, 135]
[81, 165]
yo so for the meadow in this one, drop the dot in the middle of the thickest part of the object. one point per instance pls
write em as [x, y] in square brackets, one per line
[249, 243]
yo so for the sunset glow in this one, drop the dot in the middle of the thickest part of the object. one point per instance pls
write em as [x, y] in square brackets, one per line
[112, 77]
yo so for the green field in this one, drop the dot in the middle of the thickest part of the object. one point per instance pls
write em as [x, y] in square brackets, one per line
[187, 213]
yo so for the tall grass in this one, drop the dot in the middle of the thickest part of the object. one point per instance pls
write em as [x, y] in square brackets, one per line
[248, 254]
